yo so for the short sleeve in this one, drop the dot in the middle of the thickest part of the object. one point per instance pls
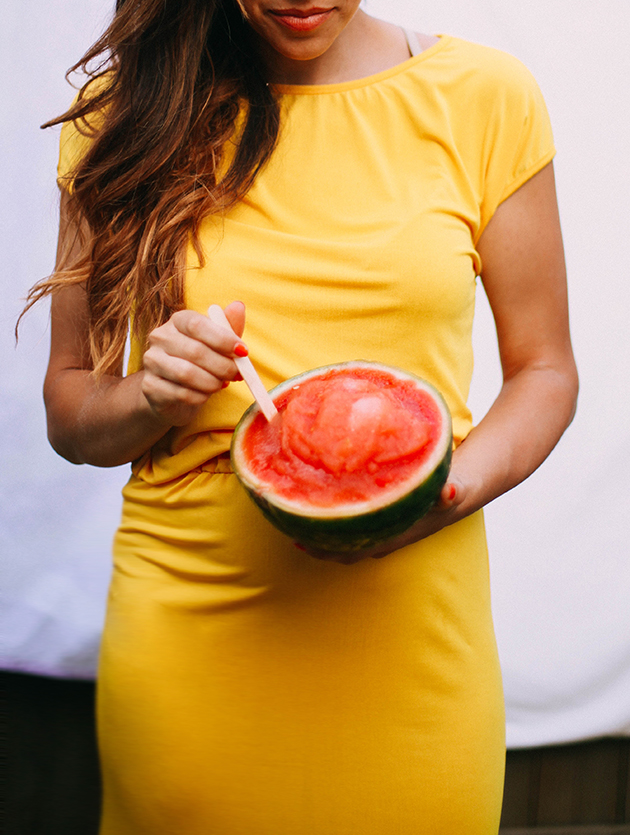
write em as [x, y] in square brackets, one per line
[73, 145]
[76, 138]
[518, 140]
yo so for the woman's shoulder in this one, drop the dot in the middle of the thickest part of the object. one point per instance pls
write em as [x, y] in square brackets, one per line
[483, 69]
[479, 87]
[497, 116]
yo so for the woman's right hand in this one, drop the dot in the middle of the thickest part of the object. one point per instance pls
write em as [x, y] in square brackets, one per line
[188, 359]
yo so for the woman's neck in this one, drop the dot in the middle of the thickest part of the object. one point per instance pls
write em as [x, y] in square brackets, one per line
[365, 47]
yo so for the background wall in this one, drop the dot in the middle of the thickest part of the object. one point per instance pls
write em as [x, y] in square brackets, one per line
[56, 520]
[559, 554]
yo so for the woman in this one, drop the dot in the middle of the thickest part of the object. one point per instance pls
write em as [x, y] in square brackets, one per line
[348, 181]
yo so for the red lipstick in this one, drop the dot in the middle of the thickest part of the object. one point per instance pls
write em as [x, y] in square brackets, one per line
[302, 20]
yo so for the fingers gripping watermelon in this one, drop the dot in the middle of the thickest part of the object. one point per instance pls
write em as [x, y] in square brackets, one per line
[357, 454]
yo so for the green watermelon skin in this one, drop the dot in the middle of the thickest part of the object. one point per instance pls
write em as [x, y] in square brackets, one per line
[357, 531]
[353, 533]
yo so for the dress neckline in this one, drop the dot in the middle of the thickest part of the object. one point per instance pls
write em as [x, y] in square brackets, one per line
[368, 80]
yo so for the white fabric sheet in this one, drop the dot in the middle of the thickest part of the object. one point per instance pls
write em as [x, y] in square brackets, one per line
[559, 552]
[56, 520]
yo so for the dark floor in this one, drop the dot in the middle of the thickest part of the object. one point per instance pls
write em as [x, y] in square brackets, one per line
[585, 784]
[52, 781]
[587, 829]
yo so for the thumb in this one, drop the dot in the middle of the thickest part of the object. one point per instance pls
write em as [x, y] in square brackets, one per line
[235, 313]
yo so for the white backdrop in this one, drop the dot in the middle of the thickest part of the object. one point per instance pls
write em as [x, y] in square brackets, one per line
[559, 554]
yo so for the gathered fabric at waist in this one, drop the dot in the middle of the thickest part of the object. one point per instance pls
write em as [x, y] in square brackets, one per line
[219, 464]
[167, 461]
[203, 529]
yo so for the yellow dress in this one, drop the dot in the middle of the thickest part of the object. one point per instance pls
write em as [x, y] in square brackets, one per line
[246, 688]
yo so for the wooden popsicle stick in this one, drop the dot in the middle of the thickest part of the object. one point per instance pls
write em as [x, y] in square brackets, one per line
[247, 370]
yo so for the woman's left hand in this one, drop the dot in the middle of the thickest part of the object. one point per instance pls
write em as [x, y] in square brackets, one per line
[446, 510]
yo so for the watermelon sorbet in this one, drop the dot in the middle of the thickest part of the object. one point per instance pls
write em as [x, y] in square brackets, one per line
[341, 434]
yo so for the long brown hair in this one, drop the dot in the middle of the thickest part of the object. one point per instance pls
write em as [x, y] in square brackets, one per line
[168, 84]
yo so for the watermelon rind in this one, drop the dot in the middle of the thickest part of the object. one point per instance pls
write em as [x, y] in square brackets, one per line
[361, 525]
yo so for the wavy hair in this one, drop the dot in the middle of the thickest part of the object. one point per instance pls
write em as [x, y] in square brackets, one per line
[168, 84]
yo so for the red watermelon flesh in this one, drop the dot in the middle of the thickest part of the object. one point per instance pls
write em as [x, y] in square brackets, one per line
[341, 435]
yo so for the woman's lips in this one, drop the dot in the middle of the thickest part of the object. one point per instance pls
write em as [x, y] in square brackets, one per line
[302, 21]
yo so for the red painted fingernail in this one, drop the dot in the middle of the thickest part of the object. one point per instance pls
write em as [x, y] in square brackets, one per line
[240, 350]
[224, 384]
[452, 491]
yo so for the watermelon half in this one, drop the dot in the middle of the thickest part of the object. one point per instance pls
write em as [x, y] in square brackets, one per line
[357, 453]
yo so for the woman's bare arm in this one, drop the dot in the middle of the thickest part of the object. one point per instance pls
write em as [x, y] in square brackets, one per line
[115, 419]
[524, 276]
